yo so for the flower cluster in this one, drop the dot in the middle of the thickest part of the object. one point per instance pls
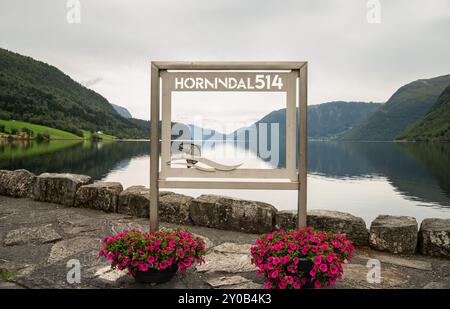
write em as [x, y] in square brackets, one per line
[136, 250]
[298, 259]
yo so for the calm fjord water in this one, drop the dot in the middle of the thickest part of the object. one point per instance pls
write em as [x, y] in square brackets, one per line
[363, 178]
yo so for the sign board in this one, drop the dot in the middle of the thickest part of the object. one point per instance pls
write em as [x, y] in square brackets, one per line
[199, 171]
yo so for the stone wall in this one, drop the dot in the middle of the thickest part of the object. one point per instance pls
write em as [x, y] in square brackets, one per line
[395, 234]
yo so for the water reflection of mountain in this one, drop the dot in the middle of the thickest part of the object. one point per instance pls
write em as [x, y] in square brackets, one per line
[435, 157]
[338, 160]
[416, 170]
[93, 159]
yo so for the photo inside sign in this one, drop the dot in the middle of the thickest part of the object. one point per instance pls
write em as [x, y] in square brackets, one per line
[211, 126]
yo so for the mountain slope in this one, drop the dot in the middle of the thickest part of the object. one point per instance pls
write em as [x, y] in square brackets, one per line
[334, 118]
[327, 119]
[122, 111]
[435, 125]
[407, 105]
[36, 92]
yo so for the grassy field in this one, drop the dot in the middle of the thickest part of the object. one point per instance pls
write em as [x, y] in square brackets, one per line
[38, 129]
[18, 125]
[87, 135]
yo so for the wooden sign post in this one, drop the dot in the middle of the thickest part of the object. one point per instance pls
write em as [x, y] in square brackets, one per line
[288, 77]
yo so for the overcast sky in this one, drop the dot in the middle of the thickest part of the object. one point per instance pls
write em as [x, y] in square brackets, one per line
[349, 58]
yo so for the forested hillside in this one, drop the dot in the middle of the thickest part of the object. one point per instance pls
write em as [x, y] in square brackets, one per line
[39, 93]
[407, 105]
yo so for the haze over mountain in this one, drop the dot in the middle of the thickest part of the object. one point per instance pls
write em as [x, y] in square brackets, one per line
[435, 125]
[335, 118]
[36, 92]
[122, 111]
[407, 105]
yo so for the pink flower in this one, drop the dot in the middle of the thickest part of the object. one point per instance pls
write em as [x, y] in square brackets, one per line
[150, 259]
[276, 256]
[333, 269]
[162, 265]
[274, 274]
[282, 284]
[268, 285]
[285, 259]
[291, 268]
[143, 267]
[318, 260]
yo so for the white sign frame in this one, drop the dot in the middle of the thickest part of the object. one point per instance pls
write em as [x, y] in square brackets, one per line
[163, 75]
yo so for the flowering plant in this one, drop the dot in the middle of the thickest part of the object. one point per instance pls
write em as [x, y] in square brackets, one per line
[162, 249]
[281, 256]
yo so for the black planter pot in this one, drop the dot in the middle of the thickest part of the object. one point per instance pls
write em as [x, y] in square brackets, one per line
[156, 276]
[305, 266]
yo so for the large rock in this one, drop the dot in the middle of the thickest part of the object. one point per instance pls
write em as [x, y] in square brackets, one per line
[99, 195]
[434, 237]
[134, 201]
[394, 234]
[18, 183]
[174, 208]
[286, 220]
[58, 188]
[232, 214]
[341, 223]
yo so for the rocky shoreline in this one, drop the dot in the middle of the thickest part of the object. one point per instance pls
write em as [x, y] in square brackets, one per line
[393, 234]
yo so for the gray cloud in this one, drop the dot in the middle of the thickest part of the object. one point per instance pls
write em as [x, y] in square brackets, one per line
[92, 82]
[349, 59]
